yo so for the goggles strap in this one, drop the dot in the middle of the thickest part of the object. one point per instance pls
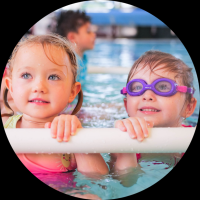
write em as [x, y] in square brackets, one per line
[123, 91]
[185, 89]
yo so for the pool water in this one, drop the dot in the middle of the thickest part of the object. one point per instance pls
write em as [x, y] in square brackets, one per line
[124, 52]
[150, 170]
[103, 104]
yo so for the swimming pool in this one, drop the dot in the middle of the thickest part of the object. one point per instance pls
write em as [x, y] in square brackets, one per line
[103, 104]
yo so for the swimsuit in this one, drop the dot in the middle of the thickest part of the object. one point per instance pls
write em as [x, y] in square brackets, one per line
[51, 162]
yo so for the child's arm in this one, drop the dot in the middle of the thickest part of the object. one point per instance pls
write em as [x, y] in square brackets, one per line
[137, 129]
[91, 163]
[125, 161]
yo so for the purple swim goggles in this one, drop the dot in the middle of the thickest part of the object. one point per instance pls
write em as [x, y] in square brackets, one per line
[162, 86]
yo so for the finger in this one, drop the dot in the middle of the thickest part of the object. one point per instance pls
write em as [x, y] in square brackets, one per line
[47, 125]
[67, 131]
[137, 128]
[129, 126]
[60, 129]
[150, 124]
[74, 124]
[80, 125]
[120, 125]
[143, 125]
[54, 125]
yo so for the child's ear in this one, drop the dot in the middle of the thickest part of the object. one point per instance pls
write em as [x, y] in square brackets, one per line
[75, 90]
[125, 103]
[8, 83]
[190, 107]
[71, 37]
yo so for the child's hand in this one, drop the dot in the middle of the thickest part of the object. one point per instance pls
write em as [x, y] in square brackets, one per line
[63, 126]
[135, 126]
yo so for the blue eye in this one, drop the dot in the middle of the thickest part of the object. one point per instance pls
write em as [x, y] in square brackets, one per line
[54, 77]
[26, 76]
[163, 86]
[136, 87]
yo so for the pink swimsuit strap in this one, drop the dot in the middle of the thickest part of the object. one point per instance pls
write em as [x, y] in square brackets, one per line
[186, 125]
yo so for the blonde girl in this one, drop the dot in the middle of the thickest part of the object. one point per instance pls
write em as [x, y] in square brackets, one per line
[42, 82]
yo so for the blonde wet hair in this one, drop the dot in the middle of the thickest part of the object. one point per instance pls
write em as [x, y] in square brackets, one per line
[46, 41]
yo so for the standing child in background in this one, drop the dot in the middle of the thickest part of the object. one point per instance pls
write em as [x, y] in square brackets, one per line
[76, 27]
[159, 93]
[42, 81]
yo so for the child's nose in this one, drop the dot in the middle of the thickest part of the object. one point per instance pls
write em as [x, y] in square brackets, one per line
[93, 35]
[39, 86]
[148, 96]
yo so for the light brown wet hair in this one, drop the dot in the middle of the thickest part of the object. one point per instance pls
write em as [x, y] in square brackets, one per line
[46, 41]
[156, 59]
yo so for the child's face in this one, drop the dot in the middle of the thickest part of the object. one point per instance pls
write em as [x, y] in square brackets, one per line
[85, 38]
[169, 109]
[39, 87]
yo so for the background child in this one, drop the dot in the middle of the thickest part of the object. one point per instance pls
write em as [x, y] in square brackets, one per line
[169, 101]
[76, 27]
[42, 81]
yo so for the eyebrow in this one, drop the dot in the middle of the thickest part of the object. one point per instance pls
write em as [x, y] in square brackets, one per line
[23, 68]
[28, 67]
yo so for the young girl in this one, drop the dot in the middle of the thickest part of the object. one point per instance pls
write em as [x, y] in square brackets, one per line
[41, 81]
[159, 93]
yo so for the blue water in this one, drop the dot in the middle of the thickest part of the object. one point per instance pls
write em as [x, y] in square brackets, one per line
[151, 169]
[123, 52]
[103, 104]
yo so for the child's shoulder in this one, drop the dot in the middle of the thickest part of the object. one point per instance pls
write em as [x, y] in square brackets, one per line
[10, 121]
[4, 119]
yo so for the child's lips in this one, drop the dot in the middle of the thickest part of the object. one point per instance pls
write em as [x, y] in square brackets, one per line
[38, 101]
[149, 110]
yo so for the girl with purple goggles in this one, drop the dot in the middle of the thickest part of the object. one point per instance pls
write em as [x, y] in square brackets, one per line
[162, 86]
